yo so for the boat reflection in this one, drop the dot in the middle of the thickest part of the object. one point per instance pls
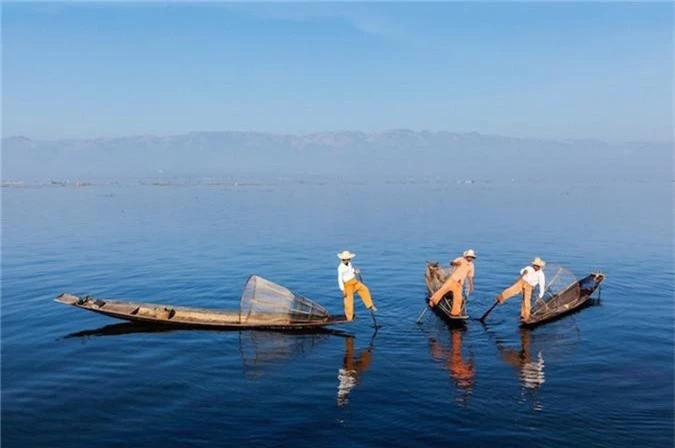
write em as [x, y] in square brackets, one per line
[353, 366]
[141, 327]
[462, 369]
[121, 329]
[260, 351]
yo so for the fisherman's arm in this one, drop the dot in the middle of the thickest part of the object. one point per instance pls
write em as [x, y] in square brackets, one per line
[456, 262]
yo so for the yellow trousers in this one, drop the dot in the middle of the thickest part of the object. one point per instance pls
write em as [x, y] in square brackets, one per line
[519, 287]
[351, 287]
[454, 286]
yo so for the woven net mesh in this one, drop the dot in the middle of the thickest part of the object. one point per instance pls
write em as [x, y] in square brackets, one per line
[265, 302]
[562, 290]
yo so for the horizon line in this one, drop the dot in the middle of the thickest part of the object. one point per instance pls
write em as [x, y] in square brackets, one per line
[341, 131]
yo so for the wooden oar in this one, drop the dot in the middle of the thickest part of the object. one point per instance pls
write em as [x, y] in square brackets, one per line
[482, 318]
[372, 314]
[424, 311]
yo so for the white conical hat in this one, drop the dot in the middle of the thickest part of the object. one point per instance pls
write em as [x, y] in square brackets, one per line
[470, 253]
[538, 262]
[345, 255]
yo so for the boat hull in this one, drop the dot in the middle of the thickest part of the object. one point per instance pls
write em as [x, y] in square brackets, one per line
[442, 310]
[185, 317]
[577, 301]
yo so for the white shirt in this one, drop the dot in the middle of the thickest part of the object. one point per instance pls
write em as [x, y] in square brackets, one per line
[534, 278]
[345, 273]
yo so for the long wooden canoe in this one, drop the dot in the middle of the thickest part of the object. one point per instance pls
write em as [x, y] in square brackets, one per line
[178, 316]
[570, 299]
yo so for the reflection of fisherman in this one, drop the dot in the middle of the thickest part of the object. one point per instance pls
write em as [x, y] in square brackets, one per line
[461, 371]
[463, 269]
[530, 276]
[351, 370]
[350, 285]
[531, 370]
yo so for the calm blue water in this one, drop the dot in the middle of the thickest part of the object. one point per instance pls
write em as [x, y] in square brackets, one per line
[600, 378]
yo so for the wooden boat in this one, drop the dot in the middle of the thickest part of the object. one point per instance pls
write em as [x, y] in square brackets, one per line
[264, 305]
[187, 317]
[434, 277]
[569, 299]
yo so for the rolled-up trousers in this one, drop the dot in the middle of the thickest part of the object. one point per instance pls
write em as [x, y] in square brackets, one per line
[519, 287]
[354, 286]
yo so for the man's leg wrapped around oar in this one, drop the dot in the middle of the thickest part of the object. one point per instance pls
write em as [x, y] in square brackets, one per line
[519, 287]
[451, 285]
[354, 286]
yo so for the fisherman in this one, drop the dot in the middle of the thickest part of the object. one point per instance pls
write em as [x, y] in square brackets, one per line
[463, 268]
[349, 285]
[530, 276]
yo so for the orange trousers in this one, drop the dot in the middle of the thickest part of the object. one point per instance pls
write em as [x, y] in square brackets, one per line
[519, 287]
[454, 286]
[351, 287]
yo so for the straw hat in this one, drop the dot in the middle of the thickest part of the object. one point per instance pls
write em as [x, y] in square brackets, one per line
[538, 262]
[470, 253]
[346, 255]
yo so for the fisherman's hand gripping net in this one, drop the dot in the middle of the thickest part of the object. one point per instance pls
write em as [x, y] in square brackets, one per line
[265, 302]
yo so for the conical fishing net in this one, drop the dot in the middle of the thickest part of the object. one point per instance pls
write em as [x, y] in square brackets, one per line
[265, 302]
[435, 276]
[562, 290]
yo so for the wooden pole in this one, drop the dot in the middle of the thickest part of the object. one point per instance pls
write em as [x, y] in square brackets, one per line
[482, 318]
[424, 311]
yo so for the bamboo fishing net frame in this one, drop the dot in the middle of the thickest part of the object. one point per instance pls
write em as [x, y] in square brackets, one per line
[263, 301]
[561, 290]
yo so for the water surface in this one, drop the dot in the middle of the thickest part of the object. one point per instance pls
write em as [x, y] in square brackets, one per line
[600, 378]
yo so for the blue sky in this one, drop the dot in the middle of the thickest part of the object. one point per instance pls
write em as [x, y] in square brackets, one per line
[569, 70]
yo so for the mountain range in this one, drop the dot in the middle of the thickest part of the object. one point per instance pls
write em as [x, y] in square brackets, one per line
[351, 154]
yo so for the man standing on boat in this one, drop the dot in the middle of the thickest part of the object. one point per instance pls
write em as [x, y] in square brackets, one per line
[463, 268]
[530, 276]
[349, 285]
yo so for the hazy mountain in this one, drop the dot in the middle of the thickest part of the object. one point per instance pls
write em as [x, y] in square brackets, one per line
[353, 154]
